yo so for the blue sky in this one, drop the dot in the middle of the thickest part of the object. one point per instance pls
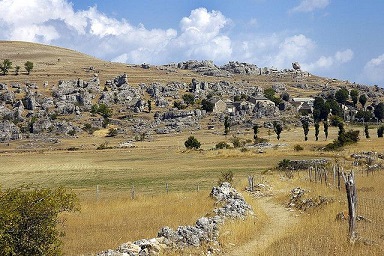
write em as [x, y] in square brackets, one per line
[331, 38]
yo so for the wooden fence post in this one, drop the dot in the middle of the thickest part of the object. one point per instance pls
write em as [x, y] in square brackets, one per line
[350, 188]
[166, 187]
[250, 182]
[133, 192]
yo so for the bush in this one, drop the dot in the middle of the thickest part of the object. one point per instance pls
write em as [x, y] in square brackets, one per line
[298, 147]
[222, 145]
[284, 164]
[29, 218]
[343, 139]
[103, 146]
[192, 143]
[226, 177]
[237, 143]
[112, 132]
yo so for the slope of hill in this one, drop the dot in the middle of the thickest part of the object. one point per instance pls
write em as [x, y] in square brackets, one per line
[60, 98]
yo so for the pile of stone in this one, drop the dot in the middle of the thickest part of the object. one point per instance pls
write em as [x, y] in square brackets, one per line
[298, 201]
[305, 164]
[206, 229]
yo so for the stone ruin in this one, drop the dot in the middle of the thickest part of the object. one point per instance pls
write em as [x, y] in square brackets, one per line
[205, 230]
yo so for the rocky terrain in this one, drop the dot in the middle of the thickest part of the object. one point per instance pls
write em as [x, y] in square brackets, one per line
[70, 95]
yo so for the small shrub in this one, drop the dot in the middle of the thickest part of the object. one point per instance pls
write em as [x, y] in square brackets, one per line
[222, 145]
[103, 146]
[72, 148]
[284, 164]
[226, 177]
[72, 133]
[112, 132]
[192, 143]
[298, 147]
[237, 142]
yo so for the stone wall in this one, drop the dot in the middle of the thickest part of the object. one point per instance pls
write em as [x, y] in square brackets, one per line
[206, 229]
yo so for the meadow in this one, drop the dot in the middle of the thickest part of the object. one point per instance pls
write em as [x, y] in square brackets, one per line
[171, 187]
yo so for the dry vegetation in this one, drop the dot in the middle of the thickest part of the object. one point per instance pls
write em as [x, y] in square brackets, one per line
[110, 217]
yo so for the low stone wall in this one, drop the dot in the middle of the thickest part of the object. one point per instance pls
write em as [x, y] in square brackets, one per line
[206, 229]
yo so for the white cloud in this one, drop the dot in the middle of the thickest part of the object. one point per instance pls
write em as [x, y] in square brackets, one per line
[344, 56]
[293, 48]
[373, 70]
[310, 5]
[329, 62]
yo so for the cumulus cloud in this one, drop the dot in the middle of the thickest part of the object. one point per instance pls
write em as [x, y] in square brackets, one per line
[56, 22]
[310, 5]
[330, 62]
[373, 70]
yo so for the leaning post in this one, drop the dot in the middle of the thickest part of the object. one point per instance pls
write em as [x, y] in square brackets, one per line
[350, 188]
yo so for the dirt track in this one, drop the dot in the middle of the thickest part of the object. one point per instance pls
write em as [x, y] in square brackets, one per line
[279, 221]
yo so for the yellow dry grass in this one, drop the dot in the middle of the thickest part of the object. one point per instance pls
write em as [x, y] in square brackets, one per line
[113, 219]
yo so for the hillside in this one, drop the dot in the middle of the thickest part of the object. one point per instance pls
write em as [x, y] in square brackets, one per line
[115, 135]
[59, 99]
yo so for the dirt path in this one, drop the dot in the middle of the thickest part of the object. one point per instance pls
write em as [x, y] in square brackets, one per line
[279, 220]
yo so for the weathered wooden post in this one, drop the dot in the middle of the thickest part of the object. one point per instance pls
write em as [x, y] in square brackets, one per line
[97, 192]
[166, 187]
[334, 175]
[250, 182]
[350, 188]
[133, 192]
[310, 169]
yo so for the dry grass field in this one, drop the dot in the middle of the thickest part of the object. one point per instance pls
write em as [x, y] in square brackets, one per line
[110, 217]
[104, 179]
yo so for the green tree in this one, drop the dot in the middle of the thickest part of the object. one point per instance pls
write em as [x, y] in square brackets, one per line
[207, 105]
[269, 93]
[278, 128]
[28, 66]
[192, 143]
[342, 96]
[317, 130]
[364, 114]
[354, 96]
[363, 100]
[305, 124]
[326, 126]
[149, 106]
[334, 107]
[380, 131]
[189, 98]
[5, 66]
[320, 109]
[366, 131]
[29, 218]
[255, 131]
[379, 111]
[227, 125]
